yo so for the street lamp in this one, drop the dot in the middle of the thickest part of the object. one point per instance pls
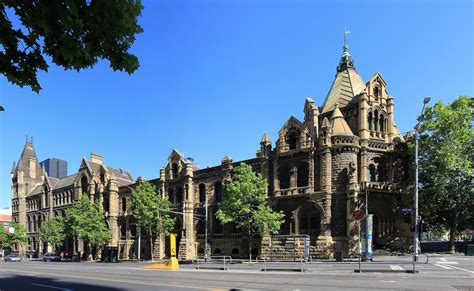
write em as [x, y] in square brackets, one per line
[415, 200]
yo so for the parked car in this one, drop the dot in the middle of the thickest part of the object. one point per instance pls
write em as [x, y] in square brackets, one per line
[12, 258]
[51, 257]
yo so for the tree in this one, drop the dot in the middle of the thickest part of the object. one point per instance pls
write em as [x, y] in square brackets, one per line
[151, 211]
[245, 204]
[86, 221]
[446, 160]
[17, 237]
[73, 33]
[53, 231]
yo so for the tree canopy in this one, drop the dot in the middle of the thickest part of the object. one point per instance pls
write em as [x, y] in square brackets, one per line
[446, 166]
[74, 34]
[245, 204]
[18, 236]
[86, 221]
[151, 211]
[53, 231]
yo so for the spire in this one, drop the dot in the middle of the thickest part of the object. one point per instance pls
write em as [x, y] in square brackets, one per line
[346, 59]
[266, 139]
[339, 124]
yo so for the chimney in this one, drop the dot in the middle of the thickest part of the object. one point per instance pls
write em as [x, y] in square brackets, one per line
[96, 158]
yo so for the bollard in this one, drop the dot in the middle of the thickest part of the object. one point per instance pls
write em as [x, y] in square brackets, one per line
[224, 263]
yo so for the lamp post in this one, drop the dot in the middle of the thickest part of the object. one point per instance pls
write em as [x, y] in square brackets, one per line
[205, 231]
[415, 200]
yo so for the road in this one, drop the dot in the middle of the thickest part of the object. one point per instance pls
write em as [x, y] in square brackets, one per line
[443, 272]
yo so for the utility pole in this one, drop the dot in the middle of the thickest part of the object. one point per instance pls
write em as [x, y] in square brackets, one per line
[415, 200]
[205, 231]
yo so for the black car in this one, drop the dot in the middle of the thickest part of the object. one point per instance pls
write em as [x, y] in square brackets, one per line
[51, 257]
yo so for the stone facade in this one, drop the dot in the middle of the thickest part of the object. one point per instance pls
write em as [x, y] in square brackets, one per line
[318, 174]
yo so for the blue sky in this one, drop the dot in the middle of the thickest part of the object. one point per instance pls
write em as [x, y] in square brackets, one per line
[215, 75]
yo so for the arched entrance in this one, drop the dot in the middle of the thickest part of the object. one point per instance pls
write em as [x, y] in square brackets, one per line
[309, 220]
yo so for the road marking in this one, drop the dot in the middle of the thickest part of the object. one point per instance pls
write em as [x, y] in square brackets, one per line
[447, 263]
[396, 267]
[472, 272]
[443, 259]
[444, 267]
[52, 287]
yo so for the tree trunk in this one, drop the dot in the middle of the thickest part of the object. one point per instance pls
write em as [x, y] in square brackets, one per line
[452, 234]
[250, 247]
[151, 245]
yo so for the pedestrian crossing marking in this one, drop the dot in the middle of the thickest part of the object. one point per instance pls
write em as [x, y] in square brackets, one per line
[396, 267]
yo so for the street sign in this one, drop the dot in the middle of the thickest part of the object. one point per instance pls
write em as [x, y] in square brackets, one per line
[289, 246]
[358, 214]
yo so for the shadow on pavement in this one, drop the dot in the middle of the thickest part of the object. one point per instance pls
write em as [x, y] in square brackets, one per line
[10, 282]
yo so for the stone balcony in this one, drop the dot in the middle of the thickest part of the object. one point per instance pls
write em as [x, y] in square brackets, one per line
[379, 186]
[292, 191]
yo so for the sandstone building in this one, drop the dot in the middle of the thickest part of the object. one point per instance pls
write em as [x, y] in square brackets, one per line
[318, 170]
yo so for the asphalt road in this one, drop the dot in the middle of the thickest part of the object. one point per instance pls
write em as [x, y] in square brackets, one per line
[386, 273]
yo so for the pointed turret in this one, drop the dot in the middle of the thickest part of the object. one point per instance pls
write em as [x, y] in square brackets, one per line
[266, 139]
[338, 123]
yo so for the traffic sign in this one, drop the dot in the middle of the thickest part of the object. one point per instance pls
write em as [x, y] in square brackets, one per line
[358, 214]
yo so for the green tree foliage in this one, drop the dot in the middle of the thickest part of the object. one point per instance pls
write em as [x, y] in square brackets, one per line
[86, 221]
[17, 237]
[73, 33]
[53, 231]
[446, 160]
[151, 211]
[245, 204]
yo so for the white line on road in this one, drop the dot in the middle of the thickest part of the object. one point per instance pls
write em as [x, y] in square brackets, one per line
[52, 287]
[447, 263]
[396, 267]
[465, 270]
[444, 267]
[443, 259]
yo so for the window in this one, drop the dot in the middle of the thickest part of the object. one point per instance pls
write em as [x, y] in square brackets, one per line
[302, 179]
[372, 173]
[174, 170]
[218, 191]
[292, 140]
[377, 92]
[84, 185]
[202, 193]
[369, 120]
[376, 120]
[124, 204]
[284, 178]
[381, 123]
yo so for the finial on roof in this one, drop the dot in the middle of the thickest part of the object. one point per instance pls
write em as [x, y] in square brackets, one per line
[266, 138]
[346, 59]
[13, 167]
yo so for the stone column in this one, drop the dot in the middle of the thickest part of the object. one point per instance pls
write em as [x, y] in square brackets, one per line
[113, 211]
[390, 122]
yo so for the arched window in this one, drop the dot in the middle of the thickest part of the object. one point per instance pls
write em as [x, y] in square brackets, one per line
[217, 225]
[202, 193]
[372, 173]
[381, 121]
[201, 227]
[174, 170]
[34, 223]
[292, 140]
[376, 120]
[106, 202]
[29, 224]
[39, 222]
[309, 220]
[218, 191]
[284, 177]
[302, 178]
[84, 185]
[124, 204]
[46, 198]
[377, 92]
[369, 120]
[123, 229]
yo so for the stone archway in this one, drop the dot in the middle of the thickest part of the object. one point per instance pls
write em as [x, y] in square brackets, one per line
[309, 220]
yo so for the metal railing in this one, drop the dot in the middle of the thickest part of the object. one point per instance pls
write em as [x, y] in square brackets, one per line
[225, 260]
